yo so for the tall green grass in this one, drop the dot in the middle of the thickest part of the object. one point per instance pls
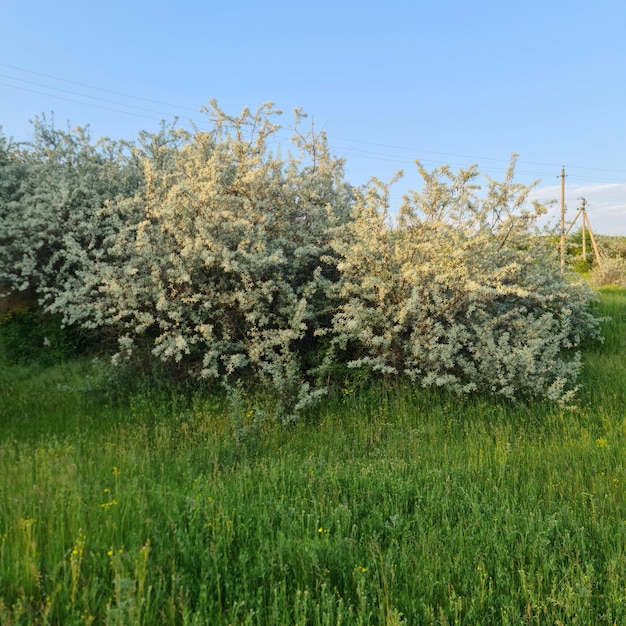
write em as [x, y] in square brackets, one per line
[389, 506]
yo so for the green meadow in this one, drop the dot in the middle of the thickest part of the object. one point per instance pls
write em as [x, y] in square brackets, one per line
[387, 505]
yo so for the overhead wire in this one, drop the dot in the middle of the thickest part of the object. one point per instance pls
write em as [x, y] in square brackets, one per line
[466, 156]
[117, 93]
[81, 95]
[91, 104]
[392, 153]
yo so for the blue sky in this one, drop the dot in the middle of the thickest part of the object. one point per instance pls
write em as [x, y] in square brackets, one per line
[446, 82]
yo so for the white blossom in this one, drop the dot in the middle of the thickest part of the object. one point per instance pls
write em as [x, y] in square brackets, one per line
[212, 253]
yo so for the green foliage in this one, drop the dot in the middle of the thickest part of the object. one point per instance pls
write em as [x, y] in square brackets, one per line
[581, 266]
[574, 247]
[35, 337]
[395, 505]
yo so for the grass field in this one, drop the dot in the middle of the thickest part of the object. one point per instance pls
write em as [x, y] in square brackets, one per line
[389, 506]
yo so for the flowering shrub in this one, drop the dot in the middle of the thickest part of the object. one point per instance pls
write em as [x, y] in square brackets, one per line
[613, 269]
[612, 273]
[51, 208]
[226, 267]
[462, 294]
[230, 262]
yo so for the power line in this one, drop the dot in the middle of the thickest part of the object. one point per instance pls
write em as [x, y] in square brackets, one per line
[81, 95]
[117, 93]
[355, 152]
[466, 156]
[91, 104]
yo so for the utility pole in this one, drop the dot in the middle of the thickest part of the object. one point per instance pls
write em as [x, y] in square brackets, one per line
[563, 220]
[586, 224]
[593, 239]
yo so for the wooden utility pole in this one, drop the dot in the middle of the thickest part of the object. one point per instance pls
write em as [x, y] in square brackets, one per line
[586, 224]
[593, 239]
[563, 220]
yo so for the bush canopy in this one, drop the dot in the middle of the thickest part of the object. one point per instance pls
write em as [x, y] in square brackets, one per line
[216, 254]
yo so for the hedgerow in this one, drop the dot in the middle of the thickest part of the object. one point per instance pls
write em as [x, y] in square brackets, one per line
[213, 252]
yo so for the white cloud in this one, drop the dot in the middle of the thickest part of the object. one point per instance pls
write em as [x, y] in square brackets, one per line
[605, 205]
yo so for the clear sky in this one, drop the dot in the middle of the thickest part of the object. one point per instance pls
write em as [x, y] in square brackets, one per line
[446, 82]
